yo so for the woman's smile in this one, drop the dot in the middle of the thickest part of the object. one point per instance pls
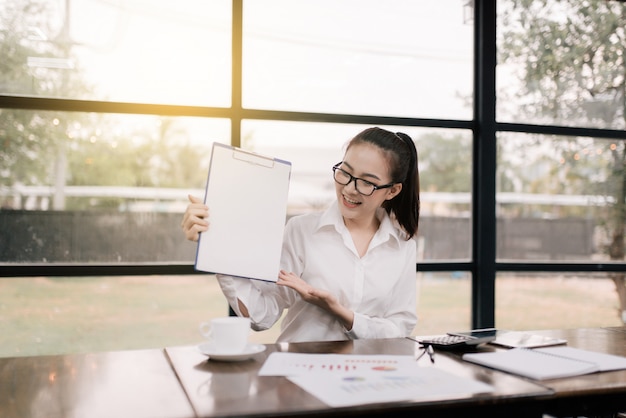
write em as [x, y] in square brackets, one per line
[349, 202]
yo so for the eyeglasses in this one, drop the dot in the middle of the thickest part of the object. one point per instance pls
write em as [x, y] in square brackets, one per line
[364, 187]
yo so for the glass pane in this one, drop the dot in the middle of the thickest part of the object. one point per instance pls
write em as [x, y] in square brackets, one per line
[43, 316]
[157, 51]
[562, 62]
[445, 158]
[560, 198]
[405, 58]
[83, 187]
[557, 301]
[444, 302]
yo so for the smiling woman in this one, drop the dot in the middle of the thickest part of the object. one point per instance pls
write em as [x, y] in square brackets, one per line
[347, 272]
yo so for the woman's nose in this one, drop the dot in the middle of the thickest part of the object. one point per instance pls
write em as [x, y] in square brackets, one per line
[351, 186]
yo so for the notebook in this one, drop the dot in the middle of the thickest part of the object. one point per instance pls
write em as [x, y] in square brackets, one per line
[548, 363]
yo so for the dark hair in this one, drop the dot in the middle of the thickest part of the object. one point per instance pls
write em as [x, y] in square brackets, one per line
[402, 156]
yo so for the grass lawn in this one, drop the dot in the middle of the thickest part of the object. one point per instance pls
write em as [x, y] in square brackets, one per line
[40, 316]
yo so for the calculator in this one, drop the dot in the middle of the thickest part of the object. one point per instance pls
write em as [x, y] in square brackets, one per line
[459, 339]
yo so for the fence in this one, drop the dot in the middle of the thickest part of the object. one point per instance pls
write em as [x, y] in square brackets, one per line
[135, 237]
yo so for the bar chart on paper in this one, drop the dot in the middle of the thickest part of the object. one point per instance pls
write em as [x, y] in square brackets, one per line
[289, 364]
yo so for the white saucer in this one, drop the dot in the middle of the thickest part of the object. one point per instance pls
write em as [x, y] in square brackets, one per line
[247, 353]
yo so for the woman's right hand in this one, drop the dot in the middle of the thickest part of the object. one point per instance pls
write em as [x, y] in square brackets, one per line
[195, 219]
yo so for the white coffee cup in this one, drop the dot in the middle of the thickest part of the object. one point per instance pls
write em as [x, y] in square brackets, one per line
[228, 335]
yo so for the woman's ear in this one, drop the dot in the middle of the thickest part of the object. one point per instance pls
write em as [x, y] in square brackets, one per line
[393, 191]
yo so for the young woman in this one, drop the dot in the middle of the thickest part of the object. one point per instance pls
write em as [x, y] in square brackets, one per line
[347, 272]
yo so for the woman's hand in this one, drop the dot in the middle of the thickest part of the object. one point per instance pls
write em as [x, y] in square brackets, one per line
[195, 219]
[321, 298]
[318, 297]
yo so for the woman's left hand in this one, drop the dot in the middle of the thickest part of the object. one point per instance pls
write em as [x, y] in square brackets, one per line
[322, 298]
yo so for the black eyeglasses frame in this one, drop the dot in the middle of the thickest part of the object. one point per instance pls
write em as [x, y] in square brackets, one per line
[352, 178]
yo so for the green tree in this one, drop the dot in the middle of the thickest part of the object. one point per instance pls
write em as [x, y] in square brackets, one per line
[445, 166]
[33, 144]
[445, 163]
[158, 156]
[571, 60]
[23, 135]
[73, 148]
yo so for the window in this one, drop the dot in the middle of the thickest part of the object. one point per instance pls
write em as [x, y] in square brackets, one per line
[107, 120]
[136, 51]
[562, 63]
[556, 197]
[560, 166]
[411, 59]
[101, 187]
[445, 157]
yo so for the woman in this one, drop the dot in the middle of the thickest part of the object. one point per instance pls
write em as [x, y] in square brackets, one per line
[348, 272]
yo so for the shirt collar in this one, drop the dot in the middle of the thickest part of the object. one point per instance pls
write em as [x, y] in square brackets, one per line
[388, 229]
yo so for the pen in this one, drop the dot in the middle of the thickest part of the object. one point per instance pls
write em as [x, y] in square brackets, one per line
[422, 354]
[431, 353]
[428, 349]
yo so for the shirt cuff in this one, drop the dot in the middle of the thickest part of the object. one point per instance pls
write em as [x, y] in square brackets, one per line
[239, 289]
[232, 289]
[359, 327]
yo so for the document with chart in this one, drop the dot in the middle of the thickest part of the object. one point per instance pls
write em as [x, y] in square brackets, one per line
[347, 379]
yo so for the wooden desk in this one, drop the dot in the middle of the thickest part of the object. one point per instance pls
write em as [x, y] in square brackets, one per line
[108, 385]
[234, 389]
[180, 382]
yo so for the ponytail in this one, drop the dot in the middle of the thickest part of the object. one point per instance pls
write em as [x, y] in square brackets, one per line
[406, 206]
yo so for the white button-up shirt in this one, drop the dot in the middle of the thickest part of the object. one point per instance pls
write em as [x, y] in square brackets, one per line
[380, 287]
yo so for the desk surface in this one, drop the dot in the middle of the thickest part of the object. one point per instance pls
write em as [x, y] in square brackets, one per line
[117, 384]
[180, 382]
[220, 389]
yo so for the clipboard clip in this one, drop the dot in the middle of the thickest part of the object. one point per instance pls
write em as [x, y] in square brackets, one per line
[252, 158]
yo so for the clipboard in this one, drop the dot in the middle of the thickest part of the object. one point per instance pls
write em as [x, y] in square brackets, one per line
[247, 198]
